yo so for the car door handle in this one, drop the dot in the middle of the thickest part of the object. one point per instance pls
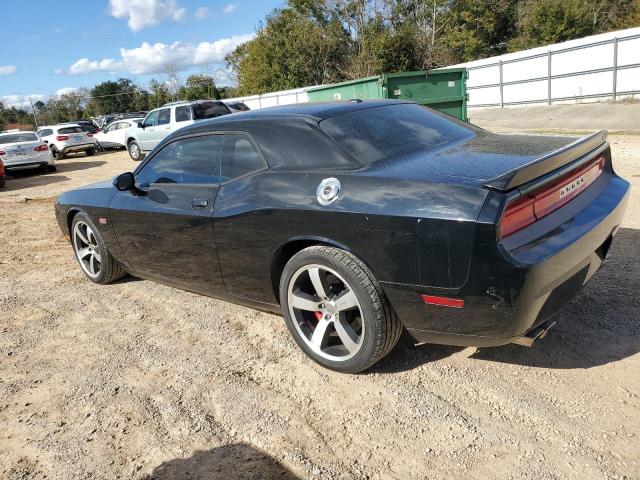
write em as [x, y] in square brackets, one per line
[199, 203]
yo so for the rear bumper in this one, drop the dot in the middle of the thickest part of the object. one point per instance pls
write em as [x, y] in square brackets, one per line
[78, 148]
[511, 293]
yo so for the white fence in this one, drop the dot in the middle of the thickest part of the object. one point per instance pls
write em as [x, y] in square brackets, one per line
[284, 97]
[599, 67]
[605, 66]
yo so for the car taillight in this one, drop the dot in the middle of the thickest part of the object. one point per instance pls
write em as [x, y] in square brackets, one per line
[89, 134]
[548, 199]
[517, 216]
[60, 138]
[2, 152]
[40, 148]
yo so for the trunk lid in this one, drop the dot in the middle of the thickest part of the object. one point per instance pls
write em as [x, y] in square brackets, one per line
[497, 161]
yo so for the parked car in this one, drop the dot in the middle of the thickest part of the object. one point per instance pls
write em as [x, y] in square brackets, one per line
[237, 107]
[87, 125]
[67, 138]
[358, 219]
[2, 175]
[167, 119]
[23, 150]
[114, 135]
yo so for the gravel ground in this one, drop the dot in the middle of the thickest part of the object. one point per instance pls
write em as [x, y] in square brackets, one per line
[138, 380]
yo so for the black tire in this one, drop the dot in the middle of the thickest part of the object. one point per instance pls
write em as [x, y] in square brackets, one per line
[57, 154]
[90, 152]
[135, 152]
[3, 181]
[110, 269]
[382, 327]
[51, 168]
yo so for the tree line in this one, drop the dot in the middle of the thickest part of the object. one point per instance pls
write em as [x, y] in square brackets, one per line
[114, 96]
[314, 42]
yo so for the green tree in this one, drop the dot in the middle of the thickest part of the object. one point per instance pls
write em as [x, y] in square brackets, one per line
[290, 51]
[543, 22]
[198, 86]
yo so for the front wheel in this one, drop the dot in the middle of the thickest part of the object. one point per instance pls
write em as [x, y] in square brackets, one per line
[90, 152]
[336, 310]
[95, 260]
[134, 151]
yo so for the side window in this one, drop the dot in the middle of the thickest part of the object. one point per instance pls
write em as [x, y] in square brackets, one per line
[192, 160]
[183, 113]
[239, 157]
[164, 116]
[152, 119]
[112, 127]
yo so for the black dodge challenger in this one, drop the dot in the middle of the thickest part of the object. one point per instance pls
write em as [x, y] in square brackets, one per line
[358, 219]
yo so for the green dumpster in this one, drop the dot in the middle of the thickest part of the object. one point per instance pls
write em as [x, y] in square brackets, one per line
[444, 90]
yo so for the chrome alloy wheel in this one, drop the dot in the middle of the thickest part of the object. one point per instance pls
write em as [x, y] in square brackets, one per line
[326, 312]
[134, 151]
[87, 251]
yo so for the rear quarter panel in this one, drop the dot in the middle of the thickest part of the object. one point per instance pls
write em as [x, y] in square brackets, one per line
[407, 232]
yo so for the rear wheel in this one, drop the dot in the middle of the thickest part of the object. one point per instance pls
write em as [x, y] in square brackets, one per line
[58, 155]
[2, 181]
[134, 151]
[90, 152]
[95, 260]
[336, 310]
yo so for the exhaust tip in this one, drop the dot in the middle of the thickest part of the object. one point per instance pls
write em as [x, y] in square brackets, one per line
[536, 334]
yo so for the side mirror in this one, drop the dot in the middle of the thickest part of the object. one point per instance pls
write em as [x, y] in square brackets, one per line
[141, 125]
[125, 181]
[46, 141]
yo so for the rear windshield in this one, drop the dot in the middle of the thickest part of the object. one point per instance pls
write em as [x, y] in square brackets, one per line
[208, 110]
[71, 130]
[18, 137]
[389, 131]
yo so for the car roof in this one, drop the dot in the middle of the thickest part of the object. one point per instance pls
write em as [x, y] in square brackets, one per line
[315, 110]
[59, 125]
[13, 132]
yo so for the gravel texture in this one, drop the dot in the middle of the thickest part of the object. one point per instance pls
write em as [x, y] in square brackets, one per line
[137, 380]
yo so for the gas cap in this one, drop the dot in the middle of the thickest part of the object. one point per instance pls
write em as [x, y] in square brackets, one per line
[328, 191]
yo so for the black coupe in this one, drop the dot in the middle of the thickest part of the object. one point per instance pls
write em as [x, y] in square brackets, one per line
[358, 219]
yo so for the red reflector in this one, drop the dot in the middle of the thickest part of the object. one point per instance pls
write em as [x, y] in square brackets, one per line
[443, 301]
[89, 134]
[2, 152]
[60, 138]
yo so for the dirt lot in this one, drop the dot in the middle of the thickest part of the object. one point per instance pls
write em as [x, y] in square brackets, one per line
[137, 380]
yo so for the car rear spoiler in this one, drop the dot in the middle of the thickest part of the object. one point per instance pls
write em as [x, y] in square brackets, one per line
[549, 162]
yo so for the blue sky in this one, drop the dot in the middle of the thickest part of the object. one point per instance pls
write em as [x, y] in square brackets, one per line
[48, 47]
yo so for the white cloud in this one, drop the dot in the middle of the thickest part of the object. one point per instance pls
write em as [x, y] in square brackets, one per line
[158, 57]
[229, 8]
[58, 71]
[202, 13]
[84, 65]
[7, 69]
[20, 101]
[65, 91]
[144, 13]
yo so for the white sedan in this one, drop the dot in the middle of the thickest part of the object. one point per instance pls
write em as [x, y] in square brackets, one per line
[21, 150]
[113, 134]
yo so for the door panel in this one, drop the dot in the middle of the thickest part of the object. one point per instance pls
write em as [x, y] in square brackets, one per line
[167, 233]
[165, 226]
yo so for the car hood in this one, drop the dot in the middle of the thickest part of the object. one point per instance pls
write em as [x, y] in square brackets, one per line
[473, 162]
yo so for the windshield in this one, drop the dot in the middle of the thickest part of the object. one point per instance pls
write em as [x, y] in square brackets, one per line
[389, 131]
[18, 137]
[208, 110]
